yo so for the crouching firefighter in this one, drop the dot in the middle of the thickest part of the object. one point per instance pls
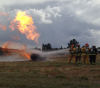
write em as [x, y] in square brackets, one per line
[92, 55]
[78, 54]
[72, 54]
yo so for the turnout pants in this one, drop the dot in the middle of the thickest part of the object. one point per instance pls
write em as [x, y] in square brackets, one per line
[85, 59]
[92, 59]
[71, 57]
[78, 58]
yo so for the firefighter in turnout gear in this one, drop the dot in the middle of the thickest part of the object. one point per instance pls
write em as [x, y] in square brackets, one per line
[72, 53]
[85, 54]
[83, 50]
[92, 55]
[78, 54]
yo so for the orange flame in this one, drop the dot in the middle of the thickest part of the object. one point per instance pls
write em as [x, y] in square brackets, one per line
[22, 52]
[26, 55]
[25, 25]
[6, 44]
[5, 47]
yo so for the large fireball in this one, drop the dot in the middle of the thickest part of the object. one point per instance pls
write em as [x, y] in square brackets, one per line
[24, 23]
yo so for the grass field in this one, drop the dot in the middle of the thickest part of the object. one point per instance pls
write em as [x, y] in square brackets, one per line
[56, 74]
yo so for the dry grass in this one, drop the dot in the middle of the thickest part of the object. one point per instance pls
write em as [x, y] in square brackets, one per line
[56, 74]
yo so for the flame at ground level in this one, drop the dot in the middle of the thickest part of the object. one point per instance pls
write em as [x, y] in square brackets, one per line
[7, 48]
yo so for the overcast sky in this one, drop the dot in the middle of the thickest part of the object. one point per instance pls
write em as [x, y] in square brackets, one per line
[57, 21]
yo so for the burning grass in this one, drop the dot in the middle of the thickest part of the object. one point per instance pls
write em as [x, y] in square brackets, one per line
[57, 74]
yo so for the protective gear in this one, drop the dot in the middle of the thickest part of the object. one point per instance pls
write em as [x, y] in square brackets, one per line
[92, 55]
[87, 45]
[78, 54]
[85, 52]
[72, 54]
[87, 55]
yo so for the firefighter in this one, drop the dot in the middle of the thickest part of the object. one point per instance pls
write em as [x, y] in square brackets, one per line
[83, 50]
[92, 55]
[78, 54]
[87, 53]
[72, 53]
